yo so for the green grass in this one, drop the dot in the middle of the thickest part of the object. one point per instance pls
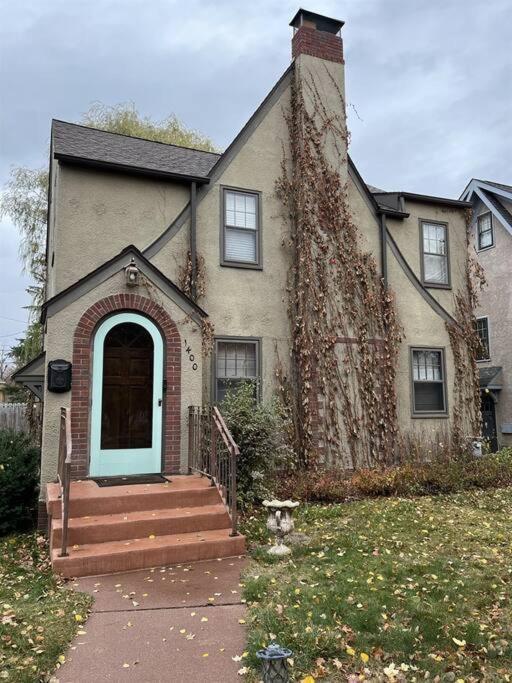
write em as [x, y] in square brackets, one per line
[421, 586]
[38, 615]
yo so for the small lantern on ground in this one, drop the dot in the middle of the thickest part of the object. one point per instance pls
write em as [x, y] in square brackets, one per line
[274, 665]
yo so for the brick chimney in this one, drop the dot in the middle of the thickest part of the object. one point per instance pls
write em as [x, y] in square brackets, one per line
[317, 36]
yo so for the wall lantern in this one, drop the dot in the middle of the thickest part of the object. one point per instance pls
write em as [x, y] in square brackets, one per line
[274, 666]
[132, 273]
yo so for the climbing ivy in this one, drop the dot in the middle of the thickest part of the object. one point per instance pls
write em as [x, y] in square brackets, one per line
[344, 327]
[465, 344]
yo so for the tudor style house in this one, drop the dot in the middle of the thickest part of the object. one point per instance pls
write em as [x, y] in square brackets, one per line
[492, 242]
[123, 359]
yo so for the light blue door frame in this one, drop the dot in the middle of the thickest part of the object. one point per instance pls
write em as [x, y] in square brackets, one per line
[125, 461]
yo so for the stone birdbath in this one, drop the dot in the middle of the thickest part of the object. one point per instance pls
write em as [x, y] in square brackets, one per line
[280, 523]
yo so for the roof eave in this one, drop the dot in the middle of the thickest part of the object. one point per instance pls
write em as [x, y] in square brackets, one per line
[131, 170]
[430, 199]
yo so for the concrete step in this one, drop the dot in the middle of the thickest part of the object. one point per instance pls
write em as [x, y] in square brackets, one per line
[144, 553]
[87, 498]
[140, 524]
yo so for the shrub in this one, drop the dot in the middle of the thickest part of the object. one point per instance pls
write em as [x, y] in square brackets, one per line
[259, 430]
[442, 475]
[19, 479]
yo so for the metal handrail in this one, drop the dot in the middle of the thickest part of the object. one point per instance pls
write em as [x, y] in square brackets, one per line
[212, 452]
[64, 474]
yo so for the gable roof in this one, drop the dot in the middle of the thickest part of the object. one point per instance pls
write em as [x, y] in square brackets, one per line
[83, 145]
[491, 195]
[110, 268]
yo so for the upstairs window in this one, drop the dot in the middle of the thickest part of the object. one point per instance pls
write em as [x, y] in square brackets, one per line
[236, 361]
[435, 263]
[485, 231]
[428, 382]
[241, 229]
[482, 328]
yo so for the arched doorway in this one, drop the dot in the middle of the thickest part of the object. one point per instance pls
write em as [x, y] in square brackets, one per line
[127, 385]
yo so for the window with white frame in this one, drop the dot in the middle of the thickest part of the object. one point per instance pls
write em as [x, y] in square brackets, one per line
[240, 228]
[485, 231]
[435, 263]
[428, 381]
[236, 361]
[482, 329]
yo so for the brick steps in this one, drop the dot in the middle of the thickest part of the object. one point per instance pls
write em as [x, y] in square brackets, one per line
[141, 524]
[137, 526]
[88, 498]
[120, 556]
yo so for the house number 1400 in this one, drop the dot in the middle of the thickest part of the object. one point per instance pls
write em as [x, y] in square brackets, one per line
[191, 356]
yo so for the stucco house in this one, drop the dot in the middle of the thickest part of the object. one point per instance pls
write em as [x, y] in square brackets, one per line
[491, 242]
[174, 274]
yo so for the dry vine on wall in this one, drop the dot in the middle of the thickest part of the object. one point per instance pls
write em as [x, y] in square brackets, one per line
[343, 322]
[466, 344]
[186, 284]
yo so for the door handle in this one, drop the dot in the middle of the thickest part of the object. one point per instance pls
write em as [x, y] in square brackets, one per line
[159, 401]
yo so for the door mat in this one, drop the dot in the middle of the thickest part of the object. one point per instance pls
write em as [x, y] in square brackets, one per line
[135, 479]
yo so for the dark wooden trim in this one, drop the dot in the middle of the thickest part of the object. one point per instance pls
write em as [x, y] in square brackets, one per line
[128, 169]
[193, 239]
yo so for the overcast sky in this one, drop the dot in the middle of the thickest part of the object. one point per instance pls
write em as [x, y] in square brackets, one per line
[430, 81]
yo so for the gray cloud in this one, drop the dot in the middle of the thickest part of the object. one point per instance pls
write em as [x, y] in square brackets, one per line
[430, 81]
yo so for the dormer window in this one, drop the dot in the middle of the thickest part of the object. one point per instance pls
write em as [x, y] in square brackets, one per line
[435, 264]
[485, 231]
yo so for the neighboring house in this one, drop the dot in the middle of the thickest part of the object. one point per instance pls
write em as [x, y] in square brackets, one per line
[491, 242]
[124, 215]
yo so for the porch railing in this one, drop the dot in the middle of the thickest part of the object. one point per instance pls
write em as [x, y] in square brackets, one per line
[213, 453]
[64, 474]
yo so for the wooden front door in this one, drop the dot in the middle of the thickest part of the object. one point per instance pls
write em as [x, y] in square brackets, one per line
[126, 411]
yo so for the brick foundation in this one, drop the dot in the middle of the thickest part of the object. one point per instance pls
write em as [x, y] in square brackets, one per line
[82, 378]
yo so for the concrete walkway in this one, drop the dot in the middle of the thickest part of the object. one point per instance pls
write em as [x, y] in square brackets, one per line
[178, 624]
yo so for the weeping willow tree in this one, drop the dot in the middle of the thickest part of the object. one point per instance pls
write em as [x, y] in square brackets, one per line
[24, 201]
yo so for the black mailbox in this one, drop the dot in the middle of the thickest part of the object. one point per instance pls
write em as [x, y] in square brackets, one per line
[59, 375]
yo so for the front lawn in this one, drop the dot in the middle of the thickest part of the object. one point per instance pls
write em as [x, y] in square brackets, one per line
[392, 589]
[39, 616]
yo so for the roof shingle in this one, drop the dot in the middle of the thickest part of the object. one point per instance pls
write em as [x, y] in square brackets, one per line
[81, 143]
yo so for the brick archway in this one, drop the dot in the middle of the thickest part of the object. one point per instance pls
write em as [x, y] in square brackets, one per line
[82, 377]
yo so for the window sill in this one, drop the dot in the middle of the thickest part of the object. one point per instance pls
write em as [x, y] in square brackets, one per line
[430, 416]
[479, 251]
[435, 285]
[483, 360]
[241, 264]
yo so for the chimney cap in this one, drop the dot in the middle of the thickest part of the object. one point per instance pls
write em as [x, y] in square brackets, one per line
[321, 22]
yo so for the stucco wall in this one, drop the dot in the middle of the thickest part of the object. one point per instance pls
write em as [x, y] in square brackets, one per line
[240, 301]
[59, 344]
[496, 303]
[407, 235]
[100, 213]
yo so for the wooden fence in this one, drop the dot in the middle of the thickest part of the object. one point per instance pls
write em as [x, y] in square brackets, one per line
[14, 416]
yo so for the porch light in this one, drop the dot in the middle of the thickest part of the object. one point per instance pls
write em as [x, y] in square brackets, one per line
[274, 665]
[131, 273]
